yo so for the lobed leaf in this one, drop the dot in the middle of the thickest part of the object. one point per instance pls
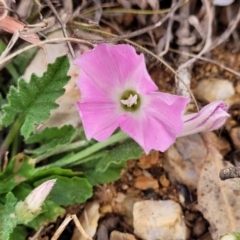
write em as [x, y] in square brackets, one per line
[68, 191]
[8, 218]
[120, 154]
[32, 102]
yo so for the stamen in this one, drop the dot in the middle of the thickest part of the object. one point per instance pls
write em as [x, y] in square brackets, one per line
[130, 101]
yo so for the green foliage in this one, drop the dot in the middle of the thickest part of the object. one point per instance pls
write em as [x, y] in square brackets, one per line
[32, 102]
[8, 218]
[52, 138]
[50, 212]
[120, 154]
[18, 170]
[108, 166]
[111, 174]
[19, 233]
[45, 173]
[68, 191]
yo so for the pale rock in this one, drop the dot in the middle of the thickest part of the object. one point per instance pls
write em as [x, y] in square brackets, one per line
[159, 220]
[89, 221]
[210, 90]
[116, 235]
[184, 160]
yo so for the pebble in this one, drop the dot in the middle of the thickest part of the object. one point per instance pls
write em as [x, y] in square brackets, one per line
[210, 90]
[154, 220]
[164, 181]
[200, 227]
[146, 161]
[144, 183]
[116, 235]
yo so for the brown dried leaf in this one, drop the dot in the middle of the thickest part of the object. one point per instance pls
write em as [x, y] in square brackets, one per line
[219, 201]
[12, 25]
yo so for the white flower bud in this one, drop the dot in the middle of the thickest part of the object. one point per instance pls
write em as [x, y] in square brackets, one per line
[28, 209]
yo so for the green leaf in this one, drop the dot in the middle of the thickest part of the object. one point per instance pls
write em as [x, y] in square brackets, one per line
[38, 175]
[18, 170]
[51, 138]
[19, 233]
[50, 212]
[120, 154]
[68, 191]
[111, 174]
[33, 101]
[8, 218]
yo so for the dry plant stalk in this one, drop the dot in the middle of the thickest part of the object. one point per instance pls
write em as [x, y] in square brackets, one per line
[65, 223]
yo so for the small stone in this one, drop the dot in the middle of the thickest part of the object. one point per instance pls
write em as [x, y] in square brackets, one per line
[210, 90]
[124, 186]
[106, 209]
[164, 181]
[159, 220]
[200, 227]
[137, 172]
[116, 235]
[144, 183]
[146, 161]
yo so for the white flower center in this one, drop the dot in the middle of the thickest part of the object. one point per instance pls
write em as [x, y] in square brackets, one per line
[130, 101]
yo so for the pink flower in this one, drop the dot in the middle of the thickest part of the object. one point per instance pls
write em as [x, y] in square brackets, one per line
[211, 117]
[117, 91]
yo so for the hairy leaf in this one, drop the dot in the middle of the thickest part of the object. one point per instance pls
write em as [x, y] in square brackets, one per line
[68, 191]
[50, 212]
[52, 138]
[120, 154]
[8, 219]
[32, 102]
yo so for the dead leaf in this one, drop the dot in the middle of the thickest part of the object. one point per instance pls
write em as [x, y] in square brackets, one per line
[219, 201]
[89, 221]
[12, 25]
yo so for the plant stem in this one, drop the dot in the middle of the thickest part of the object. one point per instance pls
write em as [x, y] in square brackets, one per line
[68, 147]
[86, 152]
[10, 137]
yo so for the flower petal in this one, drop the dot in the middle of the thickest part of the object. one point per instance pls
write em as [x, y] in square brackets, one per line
[116, 66]
[210, 118]
[159, 124]
[99, 120]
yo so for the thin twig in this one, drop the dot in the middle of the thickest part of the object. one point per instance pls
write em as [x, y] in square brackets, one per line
[207, 60]
[231, 27]
[80, 228]
[63, 25]
[62, 227]
[38, 44]
[207, 45]
[141, 31]
[168, 35]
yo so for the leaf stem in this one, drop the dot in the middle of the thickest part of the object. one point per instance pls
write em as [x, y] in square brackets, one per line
[86, 152]
[10, 137]
[68, 147]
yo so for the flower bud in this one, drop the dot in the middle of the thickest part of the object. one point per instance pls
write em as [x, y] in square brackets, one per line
[28, 209]
[211, 117]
